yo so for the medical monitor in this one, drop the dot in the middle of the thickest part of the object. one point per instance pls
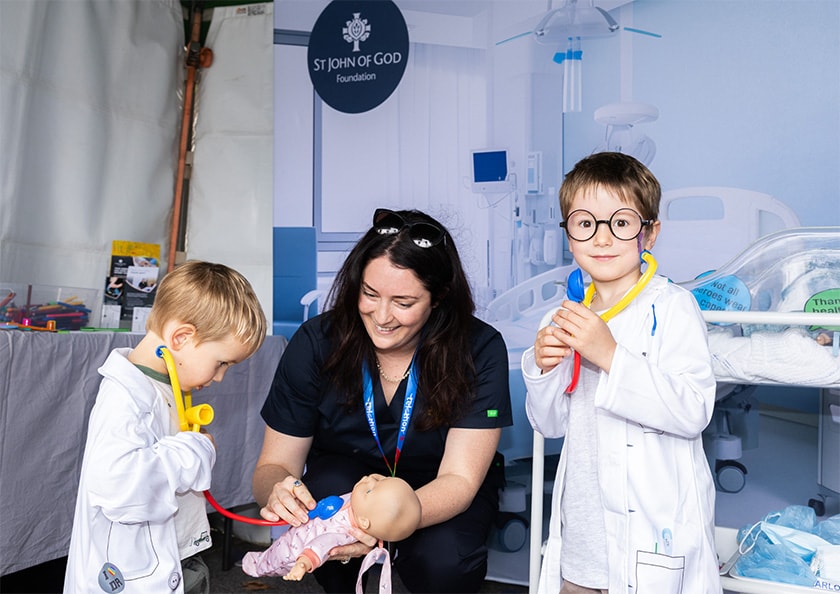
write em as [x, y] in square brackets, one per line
[490, 171]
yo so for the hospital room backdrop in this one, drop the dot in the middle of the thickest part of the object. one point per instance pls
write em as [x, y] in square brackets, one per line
[742, 94]
[722, 94]
[739, 94]
[746, 95]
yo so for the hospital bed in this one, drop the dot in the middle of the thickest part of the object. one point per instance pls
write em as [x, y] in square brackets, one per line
[765, 309]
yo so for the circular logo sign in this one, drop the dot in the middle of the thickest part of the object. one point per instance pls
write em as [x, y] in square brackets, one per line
[357, 53]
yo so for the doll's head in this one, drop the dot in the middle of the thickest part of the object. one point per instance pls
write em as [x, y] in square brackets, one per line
[385, 507]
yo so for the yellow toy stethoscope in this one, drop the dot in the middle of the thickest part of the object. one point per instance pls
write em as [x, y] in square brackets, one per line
[191, 418]
[575, 292]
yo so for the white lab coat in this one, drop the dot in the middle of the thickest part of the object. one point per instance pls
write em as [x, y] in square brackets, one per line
[656, 487]
[135, 462]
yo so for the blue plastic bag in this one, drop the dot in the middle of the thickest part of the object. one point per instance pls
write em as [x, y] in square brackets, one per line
[775, 563]
[766, 555]
[829, 529]
[800, 517]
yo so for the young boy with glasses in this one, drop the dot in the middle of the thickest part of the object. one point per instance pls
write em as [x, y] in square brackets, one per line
[634, 498]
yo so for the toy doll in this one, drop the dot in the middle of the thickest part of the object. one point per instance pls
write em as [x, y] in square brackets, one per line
[384, 507]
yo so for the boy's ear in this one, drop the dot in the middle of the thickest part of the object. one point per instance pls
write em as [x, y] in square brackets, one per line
[652, 234]
[180, 335]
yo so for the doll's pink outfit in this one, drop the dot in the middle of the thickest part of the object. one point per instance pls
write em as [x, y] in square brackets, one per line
[315, 539]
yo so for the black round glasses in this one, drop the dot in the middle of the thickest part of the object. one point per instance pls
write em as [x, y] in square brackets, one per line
[625, 224]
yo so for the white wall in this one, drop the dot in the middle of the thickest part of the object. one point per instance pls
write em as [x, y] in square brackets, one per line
[412, 151]
[748, 93]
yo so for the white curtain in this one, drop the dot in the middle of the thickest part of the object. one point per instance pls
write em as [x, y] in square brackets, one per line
[91, 95]
[89, 121]
[443, 115]
[230, 205]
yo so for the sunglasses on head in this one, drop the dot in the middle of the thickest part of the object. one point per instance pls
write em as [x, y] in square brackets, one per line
[424, 235]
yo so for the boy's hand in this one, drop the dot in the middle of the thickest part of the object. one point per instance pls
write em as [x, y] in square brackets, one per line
[203, 431]
[583, 330]
[550, 346]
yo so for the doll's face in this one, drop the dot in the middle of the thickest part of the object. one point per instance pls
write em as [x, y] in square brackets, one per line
[366, 497]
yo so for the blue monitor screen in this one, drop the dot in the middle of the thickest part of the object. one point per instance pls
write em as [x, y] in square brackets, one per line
[489, 166]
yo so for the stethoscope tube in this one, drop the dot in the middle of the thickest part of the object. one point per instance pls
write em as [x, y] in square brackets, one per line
[191, 418]
[575, 292]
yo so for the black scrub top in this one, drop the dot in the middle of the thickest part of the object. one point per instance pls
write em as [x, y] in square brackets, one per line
[302, 404]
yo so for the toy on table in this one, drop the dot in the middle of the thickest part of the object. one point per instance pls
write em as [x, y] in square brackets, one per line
[68, 314]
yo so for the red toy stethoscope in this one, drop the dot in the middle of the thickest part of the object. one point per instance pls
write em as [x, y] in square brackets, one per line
[575, 292]
[191, 418]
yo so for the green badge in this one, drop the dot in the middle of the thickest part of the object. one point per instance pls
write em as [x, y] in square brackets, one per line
[492, 413]
[827, 301]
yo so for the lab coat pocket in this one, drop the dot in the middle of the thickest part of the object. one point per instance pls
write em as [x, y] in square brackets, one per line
[659, 574]
[130, 548]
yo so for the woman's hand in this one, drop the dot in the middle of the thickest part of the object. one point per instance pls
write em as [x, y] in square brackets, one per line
[357, 549]
[290, 501]
[281, 461]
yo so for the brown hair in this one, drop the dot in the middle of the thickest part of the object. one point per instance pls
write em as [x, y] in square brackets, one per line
[621, 174]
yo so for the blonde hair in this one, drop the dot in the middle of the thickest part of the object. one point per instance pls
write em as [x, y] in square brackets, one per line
[214, 298]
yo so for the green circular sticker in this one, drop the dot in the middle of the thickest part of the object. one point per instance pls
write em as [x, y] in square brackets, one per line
[827, 301]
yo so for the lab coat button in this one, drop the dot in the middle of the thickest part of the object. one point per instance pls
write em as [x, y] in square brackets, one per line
[174, 580]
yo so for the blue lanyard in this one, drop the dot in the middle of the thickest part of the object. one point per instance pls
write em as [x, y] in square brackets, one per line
[405, 417]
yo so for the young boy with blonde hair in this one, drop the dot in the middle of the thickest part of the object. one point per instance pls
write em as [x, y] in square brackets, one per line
[140, 508]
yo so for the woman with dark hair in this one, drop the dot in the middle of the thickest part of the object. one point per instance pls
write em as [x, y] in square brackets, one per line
[397, 377]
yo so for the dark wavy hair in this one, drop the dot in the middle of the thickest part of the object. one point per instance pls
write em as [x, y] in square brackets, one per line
[446, 370]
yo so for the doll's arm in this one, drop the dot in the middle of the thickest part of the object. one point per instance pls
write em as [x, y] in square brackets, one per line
[302, 566]
[317, 552]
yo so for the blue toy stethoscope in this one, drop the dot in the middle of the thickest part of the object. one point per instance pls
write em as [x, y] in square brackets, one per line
[575, 292]
[191, 418]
